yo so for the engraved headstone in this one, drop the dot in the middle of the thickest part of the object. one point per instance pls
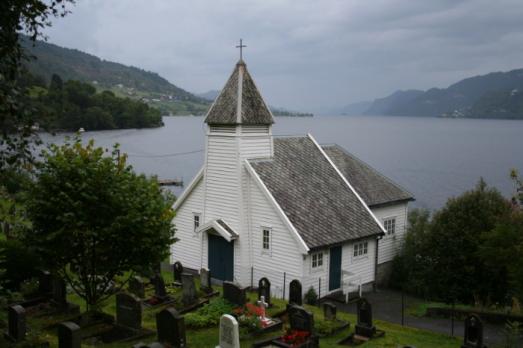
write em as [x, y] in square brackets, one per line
[171, 328]
[159, 286]
[234, 293]
[295, 292]
[69, 335]
[59, 293]
[205, 280]
[364, 327]
[177, 272]
[137, 286]
[128, 311]
[300, 319]
[264, 289]
[45, 285]
[16, 326]
[473, 337]
[329, 311]
[229, 332]
[189, 294]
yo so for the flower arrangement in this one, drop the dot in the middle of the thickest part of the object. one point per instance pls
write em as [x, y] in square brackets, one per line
[249, 316]
[295, 338]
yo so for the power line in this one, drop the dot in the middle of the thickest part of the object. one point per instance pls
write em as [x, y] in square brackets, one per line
[165, 155]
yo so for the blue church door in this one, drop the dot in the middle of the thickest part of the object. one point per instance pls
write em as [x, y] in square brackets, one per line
[221, 258]
[335, 268]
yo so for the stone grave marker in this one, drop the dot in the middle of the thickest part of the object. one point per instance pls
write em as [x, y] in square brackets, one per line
[189, 294]
[229, 332]
[171, 328]
[473, 337]
[128, 311]
[329, 311]
[300, 319]
[59, 293]
[16, 326]
[137, 286]
[69, 335]
[45, 285]
[364, 327]
[205, 280]
[177, 272]
[295, 292]
[234, 293]
[159, 286]
[264, 289]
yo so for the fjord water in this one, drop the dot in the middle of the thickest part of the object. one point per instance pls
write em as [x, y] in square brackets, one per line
[433, 158]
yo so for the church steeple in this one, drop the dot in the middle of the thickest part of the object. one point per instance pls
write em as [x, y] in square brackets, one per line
[240, 102]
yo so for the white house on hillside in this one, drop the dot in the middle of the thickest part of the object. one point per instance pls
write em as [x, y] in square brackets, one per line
[283, 208]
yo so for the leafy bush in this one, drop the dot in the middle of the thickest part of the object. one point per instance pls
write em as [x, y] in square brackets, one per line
[17, 262]
[208, 315]
[311, 297]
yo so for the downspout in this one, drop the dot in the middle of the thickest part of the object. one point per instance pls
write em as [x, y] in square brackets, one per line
[374, 287]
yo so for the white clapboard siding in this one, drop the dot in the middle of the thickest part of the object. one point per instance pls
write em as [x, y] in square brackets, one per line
[187, 249]
[311, 276]
[362, 266]
[390, 245]
[283, 256]
[258, 146]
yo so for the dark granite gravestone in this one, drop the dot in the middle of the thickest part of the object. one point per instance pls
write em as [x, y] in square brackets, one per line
[205, 280]
[177, 272]
[189, 294]
[137, 286]
[329, 311]
[300, 319]
[128, 311]
[16, 326]
[45, 285]
[159, 286]
[59, 294]
[170, 326]
[264, 289]
[473, 337]
[69, 335]
[234, 293]
[295, 292]
[364, 327]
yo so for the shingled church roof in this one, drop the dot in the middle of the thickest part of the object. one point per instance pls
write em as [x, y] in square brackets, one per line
[239, 102]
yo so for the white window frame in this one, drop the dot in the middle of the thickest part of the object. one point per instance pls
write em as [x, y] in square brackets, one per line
[394, 222]
[269, 249]
[317, 261]
[360, 249]
[194, 216]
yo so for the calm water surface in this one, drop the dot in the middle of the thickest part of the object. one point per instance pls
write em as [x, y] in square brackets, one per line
[433, 158]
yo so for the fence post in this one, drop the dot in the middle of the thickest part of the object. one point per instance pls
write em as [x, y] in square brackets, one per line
[284, 275]
[319, 290]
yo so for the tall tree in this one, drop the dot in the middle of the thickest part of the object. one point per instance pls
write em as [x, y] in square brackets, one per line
[95, 219]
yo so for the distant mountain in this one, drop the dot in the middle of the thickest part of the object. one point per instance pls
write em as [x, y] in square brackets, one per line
[499, 104]
[358, 108]
[460, 97]
[209, 95]
[123, 80]
[385, 106]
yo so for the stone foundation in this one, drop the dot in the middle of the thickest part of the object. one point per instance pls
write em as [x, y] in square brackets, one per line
[383, 274]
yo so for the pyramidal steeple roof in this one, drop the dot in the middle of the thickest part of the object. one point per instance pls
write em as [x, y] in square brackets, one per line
[239, 102]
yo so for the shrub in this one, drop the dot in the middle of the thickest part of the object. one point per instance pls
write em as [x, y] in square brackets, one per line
[311, 297]
[17, 262]
[208, 315]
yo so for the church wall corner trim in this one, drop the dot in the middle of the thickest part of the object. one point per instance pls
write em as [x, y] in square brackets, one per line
[178, 203]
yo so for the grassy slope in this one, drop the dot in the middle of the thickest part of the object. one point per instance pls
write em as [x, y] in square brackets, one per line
[395, 334]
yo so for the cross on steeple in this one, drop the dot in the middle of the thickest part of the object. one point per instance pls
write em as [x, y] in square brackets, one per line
[241, 46]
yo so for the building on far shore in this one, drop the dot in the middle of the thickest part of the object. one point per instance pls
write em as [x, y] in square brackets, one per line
[284, 208]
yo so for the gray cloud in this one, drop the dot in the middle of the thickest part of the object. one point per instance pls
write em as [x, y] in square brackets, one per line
[306, 54]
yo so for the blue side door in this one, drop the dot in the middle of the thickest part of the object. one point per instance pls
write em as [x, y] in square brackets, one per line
[335, 268]
[221, 258]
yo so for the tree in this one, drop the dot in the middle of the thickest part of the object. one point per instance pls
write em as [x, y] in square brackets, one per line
[94, 219]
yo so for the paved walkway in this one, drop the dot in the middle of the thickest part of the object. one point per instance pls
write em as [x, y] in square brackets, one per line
[386, 306]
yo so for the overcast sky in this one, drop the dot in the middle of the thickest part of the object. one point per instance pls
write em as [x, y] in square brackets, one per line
[303, 54]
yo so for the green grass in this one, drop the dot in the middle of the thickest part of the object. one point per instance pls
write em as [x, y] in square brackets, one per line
[419, 308]
[395, 336]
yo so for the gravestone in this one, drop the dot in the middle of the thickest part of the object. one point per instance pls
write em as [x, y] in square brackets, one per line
[177, 272]
[171, 328]
[159, 286]
[473, 337]
[128, 311]
[229, 332]
[59, 293]
[364, 327]
[69, 335]
[295, 292]
[300, 319]
[45, 285]
[16, 327]
[264, 289]
[329, 311]
[234, 293]
[137, 286]
[205, 280]
[189, 294]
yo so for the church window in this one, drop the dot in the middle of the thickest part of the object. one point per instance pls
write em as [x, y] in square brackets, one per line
[317, 260]
[390, 225]
[196, 221]
[266, 239]
[360, 249]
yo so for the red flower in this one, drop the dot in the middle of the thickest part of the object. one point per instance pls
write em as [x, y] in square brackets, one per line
[295, 337]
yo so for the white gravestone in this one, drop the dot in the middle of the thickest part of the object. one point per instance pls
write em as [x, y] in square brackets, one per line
[229, 332]
[263, 307]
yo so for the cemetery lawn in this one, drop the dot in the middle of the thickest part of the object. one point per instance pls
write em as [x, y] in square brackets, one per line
[395, 334]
